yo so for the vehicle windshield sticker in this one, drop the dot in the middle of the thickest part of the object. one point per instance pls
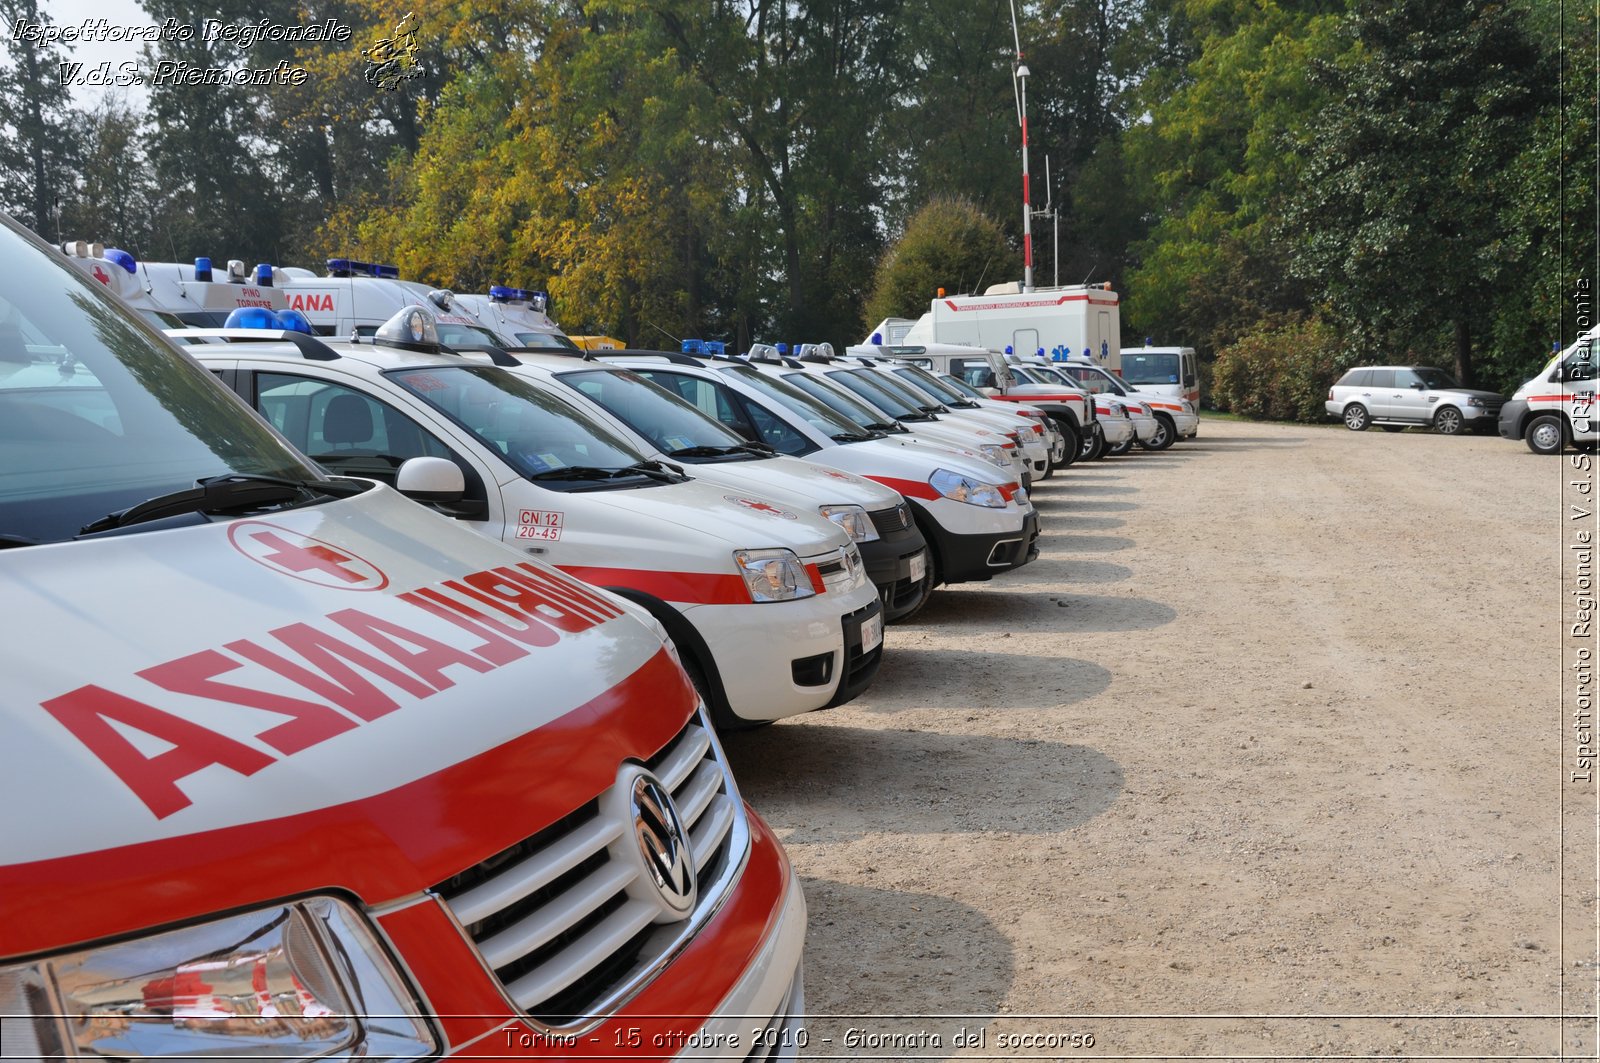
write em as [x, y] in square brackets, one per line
[424, 382]
[1173, 379]
[676, 443]
[540, 524]
[760, 506]
[550, 460]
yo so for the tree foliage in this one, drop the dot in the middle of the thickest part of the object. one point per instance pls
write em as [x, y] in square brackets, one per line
[949, 244]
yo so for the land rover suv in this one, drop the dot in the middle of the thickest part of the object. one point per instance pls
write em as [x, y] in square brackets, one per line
[1395, 396]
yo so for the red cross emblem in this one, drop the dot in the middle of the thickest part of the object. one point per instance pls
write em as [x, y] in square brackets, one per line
[305, 558]
[760, 506]
[102, 276]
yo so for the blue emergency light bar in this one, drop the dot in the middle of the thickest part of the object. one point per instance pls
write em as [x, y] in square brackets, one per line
[693, 347]
[350, 267]
[499, 293]
[202, 269]
[122, 258]
[264, 274]
[259, 317]
[715, 348]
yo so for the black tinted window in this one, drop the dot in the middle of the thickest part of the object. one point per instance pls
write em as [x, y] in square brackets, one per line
[1380, 378]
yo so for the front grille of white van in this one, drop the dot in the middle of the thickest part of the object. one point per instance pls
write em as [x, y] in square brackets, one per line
[552, 917]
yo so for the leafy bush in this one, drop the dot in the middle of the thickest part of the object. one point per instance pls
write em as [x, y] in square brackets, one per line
[951, 244]
[1280, 372]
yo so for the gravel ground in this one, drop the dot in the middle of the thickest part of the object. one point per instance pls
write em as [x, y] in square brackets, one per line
[1262, 757]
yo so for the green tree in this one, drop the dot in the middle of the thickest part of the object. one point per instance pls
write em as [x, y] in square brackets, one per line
[112, 197]
[36, 139]
[1406, 184]
[949, 243]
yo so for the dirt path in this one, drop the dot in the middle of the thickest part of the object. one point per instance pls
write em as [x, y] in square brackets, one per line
[1261, 757]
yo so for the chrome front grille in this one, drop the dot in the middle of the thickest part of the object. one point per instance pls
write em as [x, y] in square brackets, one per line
[564, 918]
[889, 521]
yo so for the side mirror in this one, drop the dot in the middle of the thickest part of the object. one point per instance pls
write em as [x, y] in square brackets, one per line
[1188, 381]
[431, 480]
[1416, 385]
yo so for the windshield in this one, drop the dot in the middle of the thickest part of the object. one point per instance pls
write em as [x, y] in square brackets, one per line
[455, 334]
[98, 412]
[671, 425]
[955, 383]
[545, 341]
[535, 433]
[905, 391]
[932, 385]
[1027, 373]
[877, 395]
[810, 410]
[843, 402]
[1150, 368]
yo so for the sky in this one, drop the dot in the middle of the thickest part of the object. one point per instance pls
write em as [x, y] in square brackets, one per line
[116, 12]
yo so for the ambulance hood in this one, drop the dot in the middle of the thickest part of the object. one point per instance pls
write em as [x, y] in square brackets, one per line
[701, 512]
[798, 482]
[211, 715]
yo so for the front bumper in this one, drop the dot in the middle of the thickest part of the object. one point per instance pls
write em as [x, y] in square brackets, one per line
[1145, 428]
[967, 558]
[889, 560]
[1511, 417]
[1116, 430]
[780, 659]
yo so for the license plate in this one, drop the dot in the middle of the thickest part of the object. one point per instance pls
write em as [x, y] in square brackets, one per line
[871, 633]
[919, 567]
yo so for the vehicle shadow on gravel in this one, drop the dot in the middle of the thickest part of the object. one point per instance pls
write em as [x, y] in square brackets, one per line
[872, 950]
[1241, 442]
[1085, 522]
[1050, 539]
[1041, 607]
[991, 680]
[1089, 505]
[829, 784]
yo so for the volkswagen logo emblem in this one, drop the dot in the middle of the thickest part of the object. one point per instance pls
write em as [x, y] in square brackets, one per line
[664, 845]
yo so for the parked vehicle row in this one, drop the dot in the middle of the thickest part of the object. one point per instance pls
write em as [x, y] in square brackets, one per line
[273, 513]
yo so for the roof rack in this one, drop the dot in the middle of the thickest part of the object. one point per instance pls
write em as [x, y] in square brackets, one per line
[310, 347]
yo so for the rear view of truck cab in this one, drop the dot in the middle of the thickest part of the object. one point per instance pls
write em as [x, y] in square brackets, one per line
[299, 770]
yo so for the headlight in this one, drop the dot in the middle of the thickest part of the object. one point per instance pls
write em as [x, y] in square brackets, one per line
[1473, 400]
[965, 489]
[854, 521]
[306, 980]
[995, 455]
[773, 575]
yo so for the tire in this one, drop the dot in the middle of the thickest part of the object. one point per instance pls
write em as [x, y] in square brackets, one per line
[1393, 427]
[1356, 417]
[1546, 434]
[1094, 448]
[1165, 435]
[1116, 450]
[1074, 442]
[1448, 421]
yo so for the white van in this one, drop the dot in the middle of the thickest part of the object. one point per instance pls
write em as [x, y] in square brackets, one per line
[1556, 406]
[1161, 371]
[1004, 317]
[770, 607]
[172, 294]
[295, 768]
[520, 315]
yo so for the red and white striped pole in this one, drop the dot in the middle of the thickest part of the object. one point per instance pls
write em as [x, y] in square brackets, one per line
[1020, 74]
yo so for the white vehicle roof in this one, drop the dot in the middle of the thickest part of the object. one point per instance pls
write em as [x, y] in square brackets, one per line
[179, 293]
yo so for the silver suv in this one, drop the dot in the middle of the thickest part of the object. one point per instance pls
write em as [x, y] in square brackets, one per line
[1399, 395]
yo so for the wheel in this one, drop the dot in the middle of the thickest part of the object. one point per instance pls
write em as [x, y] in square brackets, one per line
[1546, 434]
[1393, 427]
[1094, 447]
[1116, 450]
[1448, 421]
[1074, 442]
[1356, 417]
[1165, 434]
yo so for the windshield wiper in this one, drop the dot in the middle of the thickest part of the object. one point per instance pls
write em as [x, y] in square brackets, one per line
[228, 493]
[655, 470]
[16, 540]
[705, 451]
[856, 437]
[578, 472]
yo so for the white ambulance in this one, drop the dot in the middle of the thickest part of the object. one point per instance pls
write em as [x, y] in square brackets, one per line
[172, 294]
[977, 523]
[1556, 407]
[1169, 371]
[1178, 418]
[1059, 319]
[521, 315]
[769, 606]
[297, 769]
[959, 394]
[1121, 423]
[986, 371]
[663, 426]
